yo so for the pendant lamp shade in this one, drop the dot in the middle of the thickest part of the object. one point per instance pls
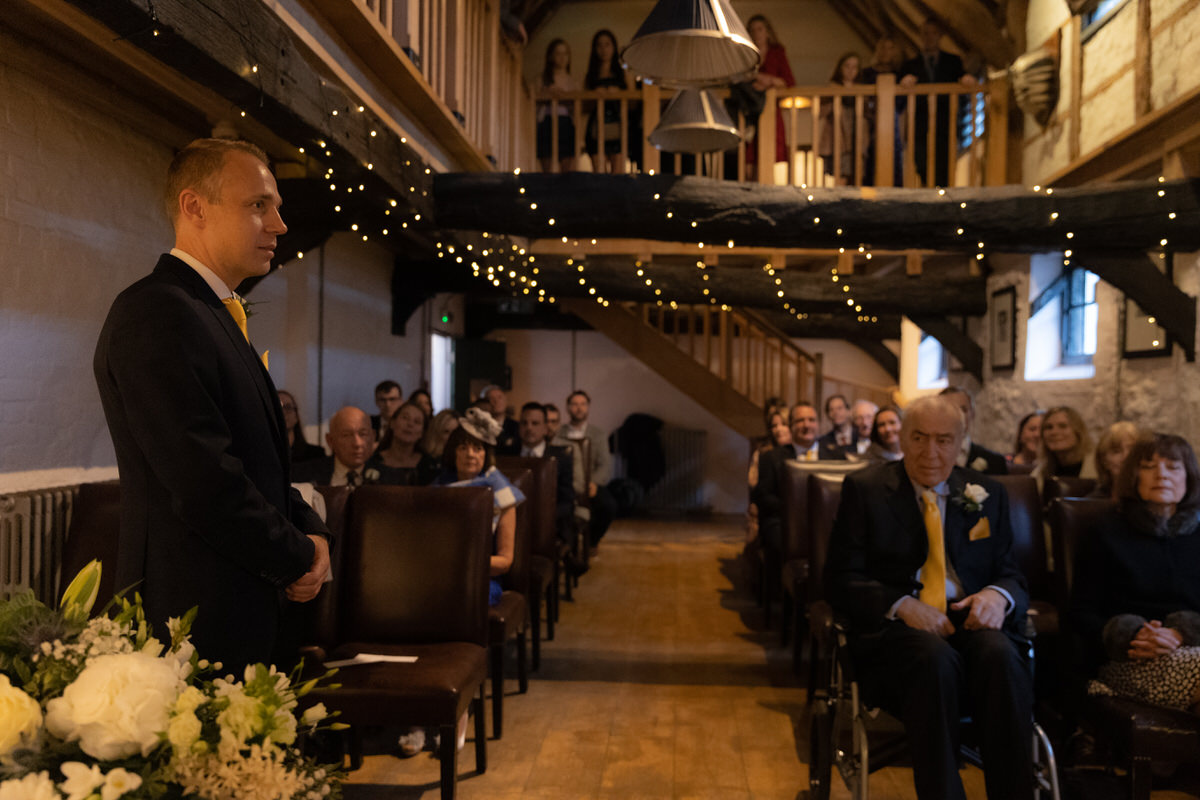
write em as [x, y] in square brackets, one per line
[691, 43]
[694, 123]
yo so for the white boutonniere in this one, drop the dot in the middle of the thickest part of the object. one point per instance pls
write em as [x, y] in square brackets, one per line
[979, 464]
[972, 497]
[371, 476]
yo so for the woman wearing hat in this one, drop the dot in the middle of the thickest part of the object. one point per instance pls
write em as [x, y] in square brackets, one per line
[468, 460]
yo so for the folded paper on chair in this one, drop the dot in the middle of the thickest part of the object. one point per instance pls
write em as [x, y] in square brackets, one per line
[370, 658]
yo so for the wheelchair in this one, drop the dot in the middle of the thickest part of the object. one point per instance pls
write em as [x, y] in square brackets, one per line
[845, 733]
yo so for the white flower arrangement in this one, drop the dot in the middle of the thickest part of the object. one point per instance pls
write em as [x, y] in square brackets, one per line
[972, 497]
[99, 710]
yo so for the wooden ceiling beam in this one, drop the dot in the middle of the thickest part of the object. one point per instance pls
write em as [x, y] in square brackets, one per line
[860, 26]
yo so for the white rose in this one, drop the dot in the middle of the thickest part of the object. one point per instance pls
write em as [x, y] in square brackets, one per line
[20, 717]
[979, 464]
[975, 493]
[118, 706]
[34, 786]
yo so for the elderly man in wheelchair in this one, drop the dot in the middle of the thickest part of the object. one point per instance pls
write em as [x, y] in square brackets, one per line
[920, 569]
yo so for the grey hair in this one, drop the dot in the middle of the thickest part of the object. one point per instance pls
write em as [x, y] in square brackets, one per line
[936, 404]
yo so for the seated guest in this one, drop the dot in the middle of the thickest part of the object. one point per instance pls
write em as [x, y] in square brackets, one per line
[778, 435]
[352, 441]
[424, 400]
[602, 507]
[974, 456]
[1029, 440]
[534, 445]
[398, 459]
[437, 432]
[497, 405]
[885, 436]
[469, 460]
[1115, 444]
[920, 564]
[863, 420]
[1066, 446]
[842, 434]
[388, 398]
[1135, 602]
[553, 421]
[298, 446]
[768, 494]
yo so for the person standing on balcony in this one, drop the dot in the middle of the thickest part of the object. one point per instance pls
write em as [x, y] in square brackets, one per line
[933, 65]
[886, 61]
[773, 73]
[556, 82]
[839, 140]
[605, 74]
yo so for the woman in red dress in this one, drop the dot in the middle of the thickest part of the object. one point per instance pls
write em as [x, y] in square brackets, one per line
[774, 73]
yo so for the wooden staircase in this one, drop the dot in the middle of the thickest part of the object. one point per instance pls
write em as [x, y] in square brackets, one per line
[728, 361]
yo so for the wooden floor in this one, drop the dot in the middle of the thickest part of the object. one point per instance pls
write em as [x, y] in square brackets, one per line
[660, 683]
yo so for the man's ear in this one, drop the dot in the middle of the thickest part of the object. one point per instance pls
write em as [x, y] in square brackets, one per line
[192, 207]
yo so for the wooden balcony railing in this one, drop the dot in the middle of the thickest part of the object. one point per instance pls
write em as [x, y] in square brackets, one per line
[877, 135]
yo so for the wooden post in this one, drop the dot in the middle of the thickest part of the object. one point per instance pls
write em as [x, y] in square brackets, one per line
[814, 172]
[625, 165]
[860, 134]
[997, 133]
[1143, 62]
[952, 144]
[723, 341]
[1076, 97]
[885, 129]
[651, 100]
[766, 139]
[912, 263]
[931, 140]
[845, 263]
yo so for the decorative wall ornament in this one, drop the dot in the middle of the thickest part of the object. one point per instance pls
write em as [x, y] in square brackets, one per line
[1035, 83]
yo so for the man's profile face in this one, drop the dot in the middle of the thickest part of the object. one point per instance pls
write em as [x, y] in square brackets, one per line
[351, 438]
[497, 403]
[239, 230]
[553, 420]
[388, 401]
[577, 407]
[533, 427]
[838, 413]
[930, 440]
[804, 426]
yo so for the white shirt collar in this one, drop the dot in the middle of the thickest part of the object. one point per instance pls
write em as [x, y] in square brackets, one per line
[537, 451]
[216, 284]
[576, 433]
[340, 471]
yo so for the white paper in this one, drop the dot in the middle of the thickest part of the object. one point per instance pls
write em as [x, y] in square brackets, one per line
[370, 658]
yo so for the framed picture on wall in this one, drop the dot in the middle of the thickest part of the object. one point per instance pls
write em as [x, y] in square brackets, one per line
[1004, 328]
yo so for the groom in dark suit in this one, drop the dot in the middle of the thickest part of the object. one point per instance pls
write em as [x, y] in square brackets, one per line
[208, 516]
[920, 563]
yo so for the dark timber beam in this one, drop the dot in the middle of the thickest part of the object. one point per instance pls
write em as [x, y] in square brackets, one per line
[1140, 278]
[1119, 218]
[955, 340]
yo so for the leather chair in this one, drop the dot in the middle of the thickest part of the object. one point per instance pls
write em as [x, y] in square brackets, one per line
[413, 582]
[544, 566]
[1029, 549]
[94, 533]
[1066, 486]
[509, 619]
[1140, 733]
[824, 495]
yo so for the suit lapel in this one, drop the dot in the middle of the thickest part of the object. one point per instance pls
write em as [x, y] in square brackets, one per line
[955, 525]
[902, 500]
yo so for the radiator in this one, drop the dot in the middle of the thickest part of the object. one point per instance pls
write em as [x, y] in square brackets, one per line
[682, 486]
[33, 528]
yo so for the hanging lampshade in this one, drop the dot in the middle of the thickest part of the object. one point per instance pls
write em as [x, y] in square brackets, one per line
[691, 43]
[694, 123]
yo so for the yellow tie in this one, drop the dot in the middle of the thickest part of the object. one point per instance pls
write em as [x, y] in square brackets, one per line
[810, 455]
[238, 313]
[933, 573]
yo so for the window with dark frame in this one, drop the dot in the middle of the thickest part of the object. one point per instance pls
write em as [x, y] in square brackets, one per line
[1080, 316]
[1094, 20]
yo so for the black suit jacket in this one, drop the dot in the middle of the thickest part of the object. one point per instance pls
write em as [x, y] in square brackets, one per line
[564, 500]
[829, 443]
[993, 462]
[208, 515]
[317, 471]
[766, 495]
[879, 542]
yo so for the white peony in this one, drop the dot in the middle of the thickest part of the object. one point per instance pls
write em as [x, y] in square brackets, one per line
[975, 493]
[34, 786]
[20, 717]
[118, 706]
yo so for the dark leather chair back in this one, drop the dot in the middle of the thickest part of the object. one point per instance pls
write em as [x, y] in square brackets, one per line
[824, 496]
[415, 565]
[1020, 469]
[1062, 486]
[94, 532]
[793, 510]
[1029, 533]
[541, 499]
[517, 577]
[1071, 518]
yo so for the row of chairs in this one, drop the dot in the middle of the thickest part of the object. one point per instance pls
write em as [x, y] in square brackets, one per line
[410, 578]
[1137, 733]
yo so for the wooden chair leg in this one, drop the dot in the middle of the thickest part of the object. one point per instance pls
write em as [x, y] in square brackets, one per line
[480, 706]
[522, 671]
[497, 689]
[356, 747]
[447, 752]
[1140, 778]
[785, 617]
[535, 613]
[552, 606]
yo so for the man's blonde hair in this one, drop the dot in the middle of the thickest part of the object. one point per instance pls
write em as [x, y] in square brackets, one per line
[198, 166]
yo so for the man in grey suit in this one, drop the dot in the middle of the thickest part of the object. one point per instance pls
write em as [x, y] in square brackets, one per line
[208, 515]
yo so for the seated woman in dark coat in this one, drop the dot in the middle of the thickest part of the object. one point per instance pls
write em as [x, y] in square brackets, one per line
[1136, 595]
[399, 458]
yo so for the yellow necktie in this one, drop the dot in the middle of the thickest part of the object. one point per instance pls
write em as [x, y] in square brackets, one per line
[810, 455]
[933, 573]
[238, 313]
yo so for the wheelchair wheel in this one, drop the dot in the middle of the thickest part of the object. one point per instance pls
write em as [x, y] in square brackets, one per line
[820, 749]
